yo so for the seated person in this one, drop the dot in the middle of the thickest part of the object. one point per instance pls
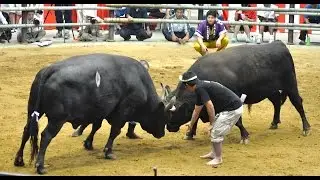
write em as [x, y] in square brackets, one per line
[34, 34]
[91, 32]
[307, 20]
[136, 29]
[157, 13]
[121, 13]
[211, 34]
[180, 33]
[266, 16]
[5, 33]
[243, 16]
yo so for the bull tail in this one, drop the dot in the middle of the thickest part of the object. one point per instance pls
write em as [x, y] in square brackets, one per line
[249, 108]
[34, 111]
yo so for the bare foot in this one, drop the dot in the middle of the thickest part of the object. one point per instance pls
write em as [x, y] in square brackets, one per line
[210, 155]
[215, 162]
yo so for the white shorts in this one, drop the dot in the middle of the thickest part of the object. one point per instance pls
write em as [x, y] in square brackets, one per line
[223, 124]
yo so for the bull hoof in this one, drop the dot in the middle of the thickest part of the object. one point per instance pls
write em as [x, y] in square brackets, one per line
[88, 145]
[133, 136]
[110, 156]
[41, 170]
[306, 132]
[188, 137]
[76, 134]
[273, 126]
[19, 161]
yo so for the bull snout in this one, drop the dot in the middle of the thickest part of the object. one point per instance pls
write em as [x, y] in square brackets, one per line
[172, 128]
[158, 136]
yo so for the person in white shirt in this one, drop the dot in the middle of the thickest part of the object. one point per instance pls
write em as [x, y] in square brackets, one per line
[34, 34]
[266, 16]
[5, 33]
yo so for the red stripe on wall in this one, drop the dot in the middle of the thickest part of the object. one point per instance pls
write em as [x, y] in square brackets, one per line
[281, 18]
[254, 28]
[103, 14]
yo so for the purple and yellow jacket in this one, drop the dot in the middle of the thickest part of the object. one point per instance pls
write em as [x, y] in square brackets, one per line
[210, 33]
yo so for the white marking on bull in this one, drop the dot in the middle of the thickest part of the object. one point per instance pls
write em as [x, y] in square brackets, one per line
[243, 97]
[280, 91]
[187, 80]
[173, 108]
[36, 113]
[98, 78]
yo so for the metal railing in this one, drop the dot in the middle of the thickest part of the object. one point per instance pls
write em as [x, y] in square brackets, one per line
[111, 21]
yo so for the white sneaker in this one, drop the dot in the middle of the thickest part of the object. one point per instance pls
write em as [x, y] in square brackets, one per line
[234, 40]
[215, 162]
[259, 41]
[210, 155]
[270, 40]
[248, 40]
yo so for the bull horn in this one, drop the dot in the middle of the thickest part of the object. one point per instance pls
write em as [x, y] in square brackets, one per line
[173, 108]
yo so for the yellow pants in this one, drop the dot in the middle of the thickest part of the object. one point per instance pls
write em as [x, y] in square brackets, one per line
[211, 44]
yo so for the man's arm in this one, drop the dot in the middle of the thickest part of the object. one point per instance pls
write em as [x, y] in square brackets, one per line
[195, 115]
[145, 15]
[211, 111]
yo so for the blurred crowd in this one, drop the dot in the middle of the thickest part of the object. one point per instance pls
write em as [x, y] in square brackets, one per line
[211, 33]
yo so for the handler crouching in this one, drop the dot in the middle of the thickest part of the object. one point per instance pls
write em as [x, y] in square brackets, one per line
[227, 105]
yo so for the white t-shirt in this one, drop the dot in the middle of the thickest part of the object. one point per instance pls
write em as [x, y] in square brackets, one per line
[267, 14]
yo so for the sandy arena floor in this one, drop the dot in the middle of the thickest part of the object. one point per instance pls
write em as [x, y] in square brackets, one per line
[270, 152]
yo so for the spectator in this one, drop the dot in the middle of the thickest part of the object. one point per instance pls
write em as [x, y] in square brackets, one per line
[91, 32]
[14, 15]
[119, 14]
[248, 16]
[307, 20]
[5, 33]
[34, 34]
[137, 29]
[157, 13]
[180, 33]
[211, 34]
[266, 16]
[67, 14]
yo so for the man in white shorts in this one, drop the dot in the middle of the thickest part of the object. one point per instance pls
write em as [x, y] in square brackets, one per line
[220, 100]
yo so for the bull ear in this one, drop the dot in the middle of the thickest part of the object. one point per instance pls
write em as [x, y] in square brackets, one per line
[145, 64]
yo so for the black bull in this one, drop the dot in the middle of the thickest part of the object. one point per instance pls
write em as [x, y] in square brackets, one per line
[259, 71]
[87, 89]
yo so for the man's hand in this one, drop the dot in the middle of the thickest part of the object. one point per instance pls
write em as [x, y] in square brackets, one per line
[209, 129]
[130, 18]
[307, 21]
[204, 49]
[189, 126]
[174, 38]
[218, 43]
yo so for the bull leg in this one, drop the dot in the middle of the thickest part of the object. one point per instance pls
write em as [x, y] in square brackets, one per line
[80, 130]
[19, 156]
[276, 101]
[244, 133]
[88, 142]
[114, 132]
[130, 134]
[296, 100]
[189, 135]
[46, 136]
